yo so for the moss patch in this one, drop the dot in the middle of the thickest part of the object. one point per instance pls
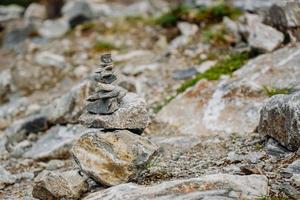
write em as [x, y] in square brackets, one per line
[203, 14]
[102, 45]
[223, 67]
[271, 91]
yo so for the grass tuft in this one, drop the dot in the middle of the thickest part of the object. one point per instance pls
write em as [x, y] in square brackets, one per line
[271, 91]
[223, 67]
[102, 45]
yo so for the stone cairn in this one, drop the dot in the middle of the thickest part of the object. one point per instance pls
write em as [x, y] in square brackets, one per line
[107, 97]
[112, 152]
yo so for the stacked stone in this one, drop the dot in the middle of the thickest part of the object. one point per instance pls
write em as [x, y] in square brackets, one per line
[112, 153]
[107, 97]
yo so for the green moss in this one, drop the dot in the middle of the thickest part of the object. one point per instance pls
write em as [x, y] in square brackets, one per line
[140, 20]
[216, 13]
[223, 67]
[173, 16]
[203, 14]
[89, 25]
[271, 91]
[102, 45]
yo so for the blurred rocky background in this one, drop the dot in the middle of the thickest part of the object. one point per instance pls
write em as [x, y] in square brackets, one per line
[221, 80]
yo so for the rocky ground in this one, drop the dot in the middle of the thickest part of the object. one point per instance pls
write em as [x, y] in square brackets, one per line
[221, 83]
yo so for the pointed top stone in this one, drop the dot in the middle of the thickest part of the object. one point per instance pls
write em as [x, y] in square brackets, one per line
[106, 58]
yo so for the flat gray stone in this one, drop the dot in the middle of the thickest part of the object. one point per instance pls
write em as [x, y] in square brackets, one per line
[209, 187]
[62, 110]
[293, 168]
[131, 115]
[49, 59]
[112, 158]
[52, 29]
[265, 38]
[280, 119]
[56, 143]
[67, 108]
[77, 12]
[10, 12]
[20, 129]
[65, 185]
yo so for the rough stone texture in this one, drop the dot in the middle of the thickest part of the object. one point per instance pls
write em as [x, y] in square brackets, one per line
[216, 187]
[65, 109]
[6, 178]
[16, 35]
[131, 115]
[113, 158]
[48, 59]
[14, 110]
[56, 143]
[293, 168]
[263, 37]
[54, 28]
[233, 104]
[10, 12]
[187, 29]
[65, 185]
[296, 179]
[5, 85]
[35, 11]
[280, 119]
[76, 12]
[285, 15]
[18, 131]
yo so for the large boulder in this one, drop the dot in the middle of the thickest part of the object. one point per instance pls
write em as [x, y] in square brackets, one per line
[280, 119]
[56, 143]
[112, 158]
[65, 185]
[132, 115]
[216, 187]
[232, 105]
